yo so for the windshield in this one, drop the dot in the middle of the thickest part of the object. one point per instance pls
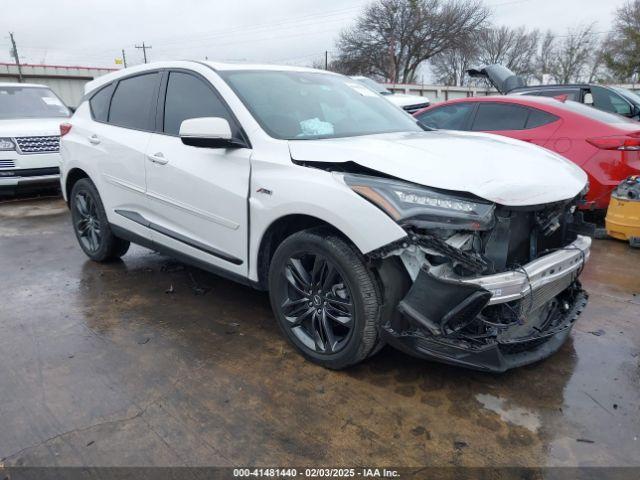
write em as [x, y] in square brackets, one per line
[628, 94]
[30, 102]
[373, 85]
[310, 105]
[595, 114]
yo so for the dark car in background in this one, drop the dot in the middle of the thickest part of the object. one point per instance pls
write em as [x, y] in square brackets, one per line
[610, 99]
[604, 145]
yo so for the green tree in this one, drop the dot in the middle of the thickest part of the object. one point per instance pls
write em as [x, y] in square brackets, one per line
[622, 52]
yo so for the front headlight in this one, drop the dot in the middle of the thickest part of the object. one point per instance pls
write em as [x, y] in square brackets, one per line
[6, 144]
[421, 206]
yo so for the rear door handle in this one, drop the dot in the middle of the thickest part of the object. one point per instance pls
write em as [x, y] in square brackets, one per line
[94, 139]
[158, 158]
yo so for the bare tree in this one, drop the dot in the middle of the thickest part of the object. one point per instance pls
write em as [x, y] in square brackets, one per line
[546, 55]
[515, 48]
[450, 66]
[574, 54]
[622, 47]
[392, 38]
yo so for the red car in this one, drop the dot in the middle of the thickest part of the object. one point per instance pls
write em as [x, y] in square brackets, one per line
[604, 145]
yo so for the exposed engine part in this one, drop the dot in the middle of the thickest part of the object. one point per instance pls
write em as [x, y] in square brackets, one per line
[548, 220]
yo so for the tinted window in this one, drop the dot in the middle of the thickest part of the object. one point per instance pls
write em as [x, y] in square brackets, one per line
[133, 101]
[189, 97]
[448, 117]
[572, 94]
[500, 116]
[100, 104]
[595, 114]
[610, 101]
[538, 118]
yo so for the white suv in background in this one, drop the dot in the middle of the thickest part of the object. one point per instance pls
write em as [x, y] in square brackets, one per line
[365, 229]
[30, 117]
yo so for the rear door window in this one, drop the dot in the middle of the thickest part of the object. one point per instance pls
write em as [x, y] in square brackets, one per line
[500, 116]
[448, 117]
[134, 102]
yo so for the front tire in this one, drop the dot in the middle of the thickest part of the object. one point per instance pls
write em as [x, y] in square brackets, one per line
[325, 299]
[91, 226]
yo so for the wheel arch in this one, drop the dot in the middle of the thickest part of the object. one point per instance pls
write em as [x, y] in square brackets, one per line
[278, 231]
[72, 177]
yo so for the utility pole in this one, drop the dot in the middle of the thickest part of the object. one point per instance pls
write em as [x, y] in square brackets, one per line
[14, 52]
[124, 59]
[144, 50]
[326, 60]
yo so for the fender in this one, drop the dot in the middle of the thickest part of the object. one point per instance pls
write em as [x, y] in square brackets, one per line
[316, 193]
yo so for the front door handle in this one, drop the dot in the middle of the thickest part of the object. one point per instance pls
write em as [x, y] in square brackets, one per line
[94, 139]
[158, 158]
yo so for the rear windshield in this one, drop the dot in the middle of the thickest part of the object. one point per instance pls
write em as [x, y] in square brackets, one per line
[30, 102]
[595, 114]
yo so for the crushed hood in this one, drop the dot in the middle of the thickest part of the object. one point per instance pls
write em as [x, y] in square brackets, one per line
[30, 127]
[499, 169]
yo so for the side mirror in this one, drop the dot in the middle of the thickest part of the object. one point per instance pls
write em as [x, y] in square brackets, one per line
[208, 132]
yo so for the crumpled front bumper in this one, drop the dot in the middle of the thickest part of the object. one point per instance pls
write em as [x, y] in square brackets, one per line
[435, 305]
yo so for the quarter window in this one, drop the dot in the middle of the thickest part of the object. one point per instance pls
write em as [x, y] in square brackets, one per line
[189, 97]
[497, 116]
[448, 117]
[538, 118]
[133, 102]
[100, 104]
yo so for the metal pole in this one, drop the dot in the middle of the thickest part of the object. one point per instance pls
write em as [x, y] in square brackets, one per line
[326, 60]
[124, 59]
[144, 50]
[14, 51]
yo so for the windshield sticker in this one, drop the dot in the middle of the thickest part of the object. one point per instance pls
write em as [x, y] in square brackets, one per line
[362, 90]
[315, 127]
[52, 102]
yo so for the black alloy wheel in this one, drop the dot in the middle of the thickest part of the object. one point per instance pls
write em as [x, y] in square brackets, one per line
[317, 304]
[325, 298]
[87, 223]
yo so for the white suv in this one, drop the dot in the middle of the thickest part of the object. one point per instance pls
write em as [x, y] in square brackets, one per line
[365, 229]
[30, 116]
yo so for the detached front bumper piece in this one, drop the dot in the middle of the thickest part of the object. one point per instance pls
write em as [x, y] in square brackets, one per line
[494, 322]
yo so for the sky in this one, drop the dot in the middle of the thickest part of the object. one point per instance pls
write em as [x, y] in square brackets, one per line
[93, 32]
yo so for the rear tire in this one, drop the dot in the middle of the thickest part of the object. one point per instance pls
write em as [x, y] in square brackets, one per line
[91, 226]
[325, 299]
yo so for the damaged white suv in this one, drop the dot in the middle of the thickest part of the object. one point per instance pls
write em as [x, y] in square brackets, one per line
[460, 247]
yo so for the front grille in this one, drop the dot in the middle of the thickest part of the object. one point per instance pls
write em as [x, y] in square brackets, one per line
[7, 164]
[50, 144]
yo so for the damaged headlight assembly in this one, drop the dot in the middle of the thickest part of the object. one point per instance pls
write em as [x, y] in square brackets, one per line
[422, 207]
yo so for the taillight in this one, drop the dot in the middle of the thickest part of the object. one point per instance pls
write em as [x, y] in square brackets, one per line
[64, 129]
[616, 142]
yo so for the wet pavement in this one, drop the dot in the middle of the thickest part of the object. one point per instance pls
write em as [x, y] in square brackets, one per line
[148, 362]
